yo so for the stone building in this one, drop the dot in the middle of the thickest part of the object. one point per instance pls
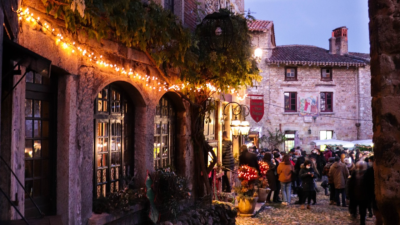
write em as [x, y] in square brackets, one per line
[71, 129]
[310, 91]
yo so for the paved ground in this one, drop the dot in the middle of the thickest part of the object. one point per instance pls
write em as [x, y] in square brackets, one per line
[321, 213]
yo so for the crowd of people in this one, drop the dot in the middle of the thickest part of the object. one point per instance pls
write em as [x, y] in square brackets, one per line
[347, 177]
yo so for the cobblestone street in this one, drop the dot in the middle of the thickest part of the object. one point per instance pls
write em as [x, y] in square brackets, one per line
[320, 213]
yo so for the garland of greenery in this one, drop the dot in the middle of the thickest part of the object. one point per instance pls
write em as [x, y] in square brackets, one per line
[152, 29]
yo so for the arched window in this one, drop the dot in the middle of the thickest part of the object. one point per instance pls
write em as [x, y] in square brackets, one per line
[114, 125]
[164, 134]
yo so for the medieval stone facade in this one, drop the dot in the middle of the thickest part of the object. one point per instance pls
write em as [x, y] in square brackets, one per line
[73, 129]
[299, 72]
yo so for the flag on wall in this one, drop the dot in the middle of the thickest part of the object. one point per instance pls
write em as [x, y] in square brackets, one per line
[256, 107]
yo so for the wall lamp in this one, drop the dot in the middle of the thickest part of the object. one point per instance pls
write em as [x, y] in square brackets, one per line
[237, 126]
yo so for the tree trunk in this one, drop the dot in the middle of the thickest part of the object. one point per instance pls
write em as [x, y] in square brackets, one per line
[385, 83]
[200, 150]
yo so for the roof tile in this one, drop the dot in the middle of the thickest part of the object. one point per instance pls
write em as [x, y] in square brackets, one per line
[259, 25]
[306, 55]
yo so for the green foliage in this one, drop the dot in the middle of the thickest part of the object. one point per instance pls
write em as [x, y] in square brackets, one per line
[120, 200]
[365, 148]
[170, 190]
[147, 27]
[152, 29]
[231, 69]
[274, 139]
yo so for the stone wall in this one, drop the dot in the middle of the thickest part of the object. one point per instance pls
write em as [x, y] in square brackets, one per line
[365, 107]
[343, 87]
[79, 81]
[385, 68]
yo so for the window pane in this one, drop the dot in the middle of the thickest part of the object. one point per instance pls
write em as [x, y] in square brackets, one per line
[28, 188]
[37, 132]
[28, 128]
[322, 135]
[36, 188]
[28, 169]
[164, 128]
[28, 108]
[37, 168]
[99, 105]
[105, 93]
[28, 149]
[102, 160]
[37, 147]
[105, 106]
[329, 134]
[38, 78]
[115, 158]
[29, 77]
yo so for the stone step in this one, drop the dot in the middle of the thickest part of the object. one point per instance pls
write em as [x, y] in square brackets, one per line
[47, 220]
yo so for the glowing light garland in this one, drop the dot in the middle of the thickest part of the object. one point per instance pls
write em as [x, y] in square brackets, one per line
[100, 61]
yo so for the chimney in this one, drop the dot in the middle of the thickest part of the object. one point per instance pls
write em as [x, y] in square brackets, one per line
[338, 42]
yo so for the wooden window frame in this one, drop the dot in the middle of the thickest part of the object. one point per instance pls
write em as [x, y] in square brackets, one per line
[113, 176]
[291, 78]
[325, 102]
[284, 101]
[164, 117]
[41, 89]
[324, 78]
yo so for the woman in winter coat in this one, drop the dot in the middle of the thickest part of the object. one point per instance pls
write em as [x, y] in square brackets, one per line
[228, 162]
[270, 175]
[307, 175]
[285, 171]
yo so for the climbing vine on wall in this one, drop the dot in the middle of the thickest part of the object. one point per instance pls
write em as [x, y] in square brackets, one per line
[152, 29]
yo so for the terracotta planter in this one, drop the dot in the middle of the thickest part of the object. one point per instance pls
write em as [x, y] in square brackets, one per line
[247, 206]
[262, 194]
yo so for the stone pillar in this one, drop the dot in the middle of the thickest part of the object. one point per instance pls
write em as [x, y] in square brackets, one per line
[84, 145]
[384, 28]
[68, 193]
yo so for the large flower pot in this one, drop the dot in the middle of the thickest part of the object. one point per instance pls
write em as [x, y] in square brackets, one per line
[247, 206]
[262, 194]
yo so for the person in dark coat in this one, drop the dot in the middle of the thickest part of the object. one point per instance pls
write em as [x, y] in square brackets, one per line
[300, 160]
[277, 158]
[358, 194]
[330, 181]
[270, 175]
[357, 155]
[248, 158]
[339, 174]
[228, 162]
[307, 176]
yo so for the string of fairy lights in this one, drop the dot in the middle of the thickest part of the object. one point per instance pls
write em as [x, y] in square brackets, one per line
[152, 82]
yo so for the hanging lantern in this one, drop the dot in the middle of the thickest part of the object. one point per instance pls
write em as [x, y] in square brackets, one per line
[216, 31]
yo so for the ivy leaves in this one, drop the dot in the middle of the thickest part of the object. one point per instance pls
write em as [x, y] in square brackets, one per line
[152, 29]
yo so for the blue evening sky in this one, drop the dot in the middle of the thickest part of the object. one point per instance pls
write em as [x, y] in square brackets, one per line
[310, 22]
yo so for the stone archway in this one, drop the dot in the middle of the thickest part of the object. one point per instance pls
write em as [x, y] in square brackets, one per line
[182, 135]
[384, 28]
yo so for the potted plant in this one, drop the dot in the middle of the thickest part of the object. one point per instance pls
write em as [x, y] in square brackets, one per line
[247, 191]
[263, 183]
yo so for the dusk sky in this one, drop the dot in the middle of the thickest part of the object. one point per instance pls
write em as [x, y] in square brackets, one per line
[310, 22]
